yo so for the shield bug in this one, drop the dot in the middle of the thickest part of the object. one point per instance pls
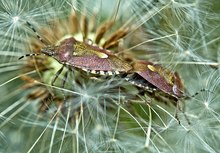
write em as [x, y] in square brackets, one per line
[160, 83]
[93, 59]
[84, 56]
[87, 57]
[161, 78]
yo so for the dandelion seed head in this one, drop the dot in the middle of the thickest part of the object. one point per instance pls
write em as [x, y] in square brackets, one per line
[113, 140]
[206, 104]
[85, 96]
[98, 128]
[15, 19]
[101, 110]
[187, 52]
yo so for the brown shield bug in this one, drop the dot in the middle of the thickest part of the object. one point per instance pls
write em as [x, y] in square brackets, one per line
[92, 59]
[156, 79]
[97, 60]
[82, 55]
[161, 78]
[87, 57]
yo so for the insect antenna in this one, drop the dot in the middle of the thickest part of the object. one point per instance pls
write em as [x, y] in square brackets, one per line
[197, 93]
[183, 109]
[39, 38]
[29, 55]
[36, 33]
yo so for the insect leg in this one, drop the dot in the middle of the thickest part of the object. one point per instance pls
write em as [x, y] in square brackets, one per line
[187, 119]
[65, 78]
[177, 112]
[57, 74]
[182, 109]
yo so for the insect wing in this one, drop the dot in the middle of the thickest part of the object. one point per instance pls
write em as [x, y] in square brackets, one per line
[156, 75]
[157, 80]
[95, 64]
